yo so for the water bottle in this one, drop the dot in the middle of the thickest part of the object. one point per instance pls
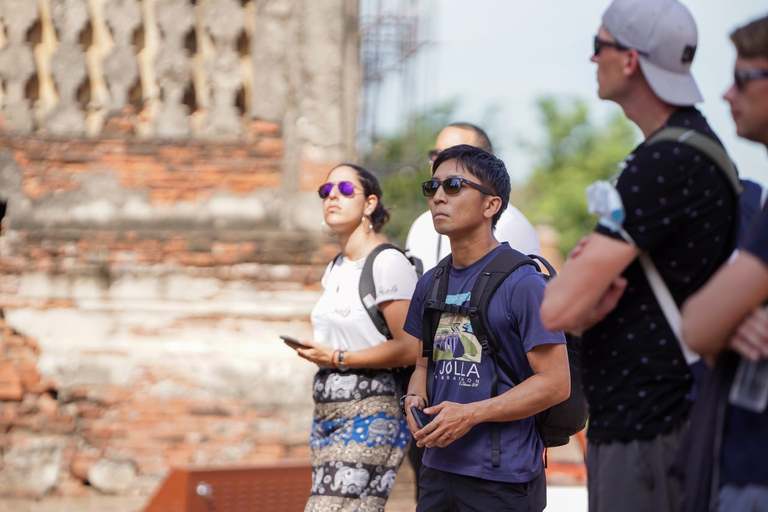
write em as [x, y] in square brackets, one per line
[750, 385]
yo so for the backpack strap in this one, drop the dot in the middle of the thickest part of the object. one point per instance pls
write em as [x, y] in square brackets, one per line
[368, 291]
[489, 280]
[435, 298]
[706, 145]
[719, 156]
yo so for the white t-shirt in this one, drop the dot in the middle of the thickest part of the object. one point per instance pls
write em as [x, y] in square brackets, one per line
[512, 228]
[339, 318]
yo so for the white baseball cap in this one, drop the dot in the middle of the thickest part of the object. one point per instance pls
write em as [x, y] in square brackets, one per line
[665, 35]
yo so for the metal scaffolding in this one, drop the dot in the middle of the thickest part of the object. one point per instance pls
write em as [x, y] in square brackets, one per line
[393, 33]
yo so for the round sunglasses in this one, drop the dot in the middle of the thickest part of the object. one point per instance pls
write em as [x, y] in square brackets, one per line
[451, 186]
[346, 188]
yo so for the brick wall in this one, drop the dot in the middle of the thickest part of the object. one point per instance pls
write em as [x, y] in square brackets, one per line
[144, 286]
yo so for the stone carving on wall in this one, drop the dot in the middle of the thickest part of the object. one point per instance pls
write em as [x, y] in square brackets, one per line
[68, 66]
[225, 24]
[174, 72]
[264, 49]
[17, 63]
[120, 67]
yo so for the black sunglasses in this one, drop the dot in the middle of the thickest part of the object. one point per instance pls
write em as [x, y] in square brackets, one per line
[451, 186]
[599, 44]
[742, 76]
[346, 188]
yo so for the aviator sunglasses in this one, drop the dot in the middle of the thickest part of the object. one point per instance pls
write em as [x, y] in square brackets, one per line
[742, 76]
[346, 188]
[451, 186]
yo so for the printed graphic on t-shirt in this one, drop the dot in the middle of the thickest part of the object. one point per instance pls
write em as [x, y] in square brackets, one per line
[456, 350]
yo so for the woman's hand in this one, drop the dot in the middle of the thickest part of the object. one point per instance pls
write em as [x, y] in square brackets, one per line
[318, 353]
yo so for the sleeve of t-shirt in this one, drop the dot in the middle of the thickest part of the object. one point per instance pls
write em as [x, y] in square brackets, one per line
[526, 298]
[393, 276]
[757, 239]
[659, 188]
[413, 321]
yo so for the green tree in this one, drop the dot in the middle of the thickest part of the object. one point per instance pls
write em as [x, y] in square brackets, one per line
[400, 161]
[576, 152]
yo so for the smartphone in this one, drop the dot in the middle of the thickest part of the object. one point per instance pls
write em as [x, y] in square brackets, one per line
[293, 342]
[421, 418]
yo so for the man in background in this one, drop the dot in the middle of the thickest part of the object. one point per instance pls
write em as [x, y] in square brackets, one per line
[430, 247]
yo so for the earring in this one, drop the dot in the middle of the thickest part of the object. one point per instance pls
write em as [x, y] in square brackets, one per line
[370, 225]
[327, 229]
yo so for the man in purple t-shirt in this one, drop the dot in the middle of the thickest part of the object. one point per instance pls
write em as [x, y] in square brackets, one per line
[467, 194]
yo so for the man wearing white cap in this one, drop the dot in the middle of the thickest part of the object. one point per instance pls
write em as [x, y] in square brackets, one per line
[673, 205]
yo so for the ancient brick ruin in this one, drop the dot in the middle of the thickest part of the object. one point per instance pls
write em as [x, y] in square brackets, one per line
[159, 160]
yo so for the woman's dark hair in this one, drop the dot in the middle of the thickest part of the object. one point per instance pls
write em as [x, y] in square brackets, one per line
[489, 169]
[380, 215]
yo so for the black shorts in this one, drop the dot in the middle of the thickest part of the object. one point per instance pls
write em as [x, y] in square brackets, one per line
[449, 492]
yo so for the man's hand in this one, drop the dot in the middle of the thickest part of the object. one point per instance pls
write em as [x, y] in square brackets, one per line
[413, 401]
[751, 337]
[605, 305]
[451, 421]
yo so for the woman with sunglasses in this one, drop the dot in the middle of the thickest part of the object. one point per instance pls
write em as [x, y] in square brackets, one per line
[359, 436]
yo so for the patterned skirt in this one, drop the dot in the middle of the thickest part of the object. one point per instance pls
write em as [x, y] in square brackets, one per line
[358, 440]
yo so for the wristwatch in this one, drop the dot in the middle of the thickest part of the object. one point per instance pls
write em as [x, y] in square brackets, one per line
[402, 401]
[340, 365]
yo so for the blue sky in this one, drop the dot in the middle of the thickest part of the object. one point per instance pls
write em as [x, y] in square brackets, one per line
[500, 55]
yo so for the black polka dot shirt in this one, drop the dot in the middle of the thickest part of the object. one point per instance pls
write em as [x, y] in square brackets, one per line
[679, 207]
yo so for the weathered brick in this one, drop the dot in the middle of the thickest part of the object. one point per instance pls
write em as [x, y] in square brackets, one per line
[261, 128]
[270, 147]
[11, 387]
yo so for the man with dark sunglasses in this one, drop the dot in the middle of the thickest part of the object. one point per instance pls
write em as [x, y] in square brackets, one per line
[430, 247]
[467, 194]
[672, 206]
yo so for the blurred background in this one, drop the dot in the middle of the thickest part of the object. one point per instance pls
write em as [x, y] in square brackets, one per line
[159, 161]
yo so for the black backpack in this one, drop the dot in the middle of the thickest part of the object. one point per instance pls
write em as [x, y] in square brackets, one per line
[554, 425]
[368, 297]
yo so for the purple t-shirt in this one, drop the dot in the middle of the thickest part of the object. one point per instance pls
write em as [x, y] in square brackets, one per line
[463, 373]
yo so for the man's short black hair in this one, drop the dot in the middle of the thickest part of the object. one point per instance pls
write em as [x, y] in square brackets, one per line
[481, 164]
[481, 138]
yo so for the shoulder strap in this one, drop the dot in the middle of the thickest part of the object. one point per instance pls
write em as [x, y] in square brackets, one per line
[486, 284]
[368, 291]
[706, 145]
[489, 280]
[667, 304]
[720, 157]
[436, 292]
